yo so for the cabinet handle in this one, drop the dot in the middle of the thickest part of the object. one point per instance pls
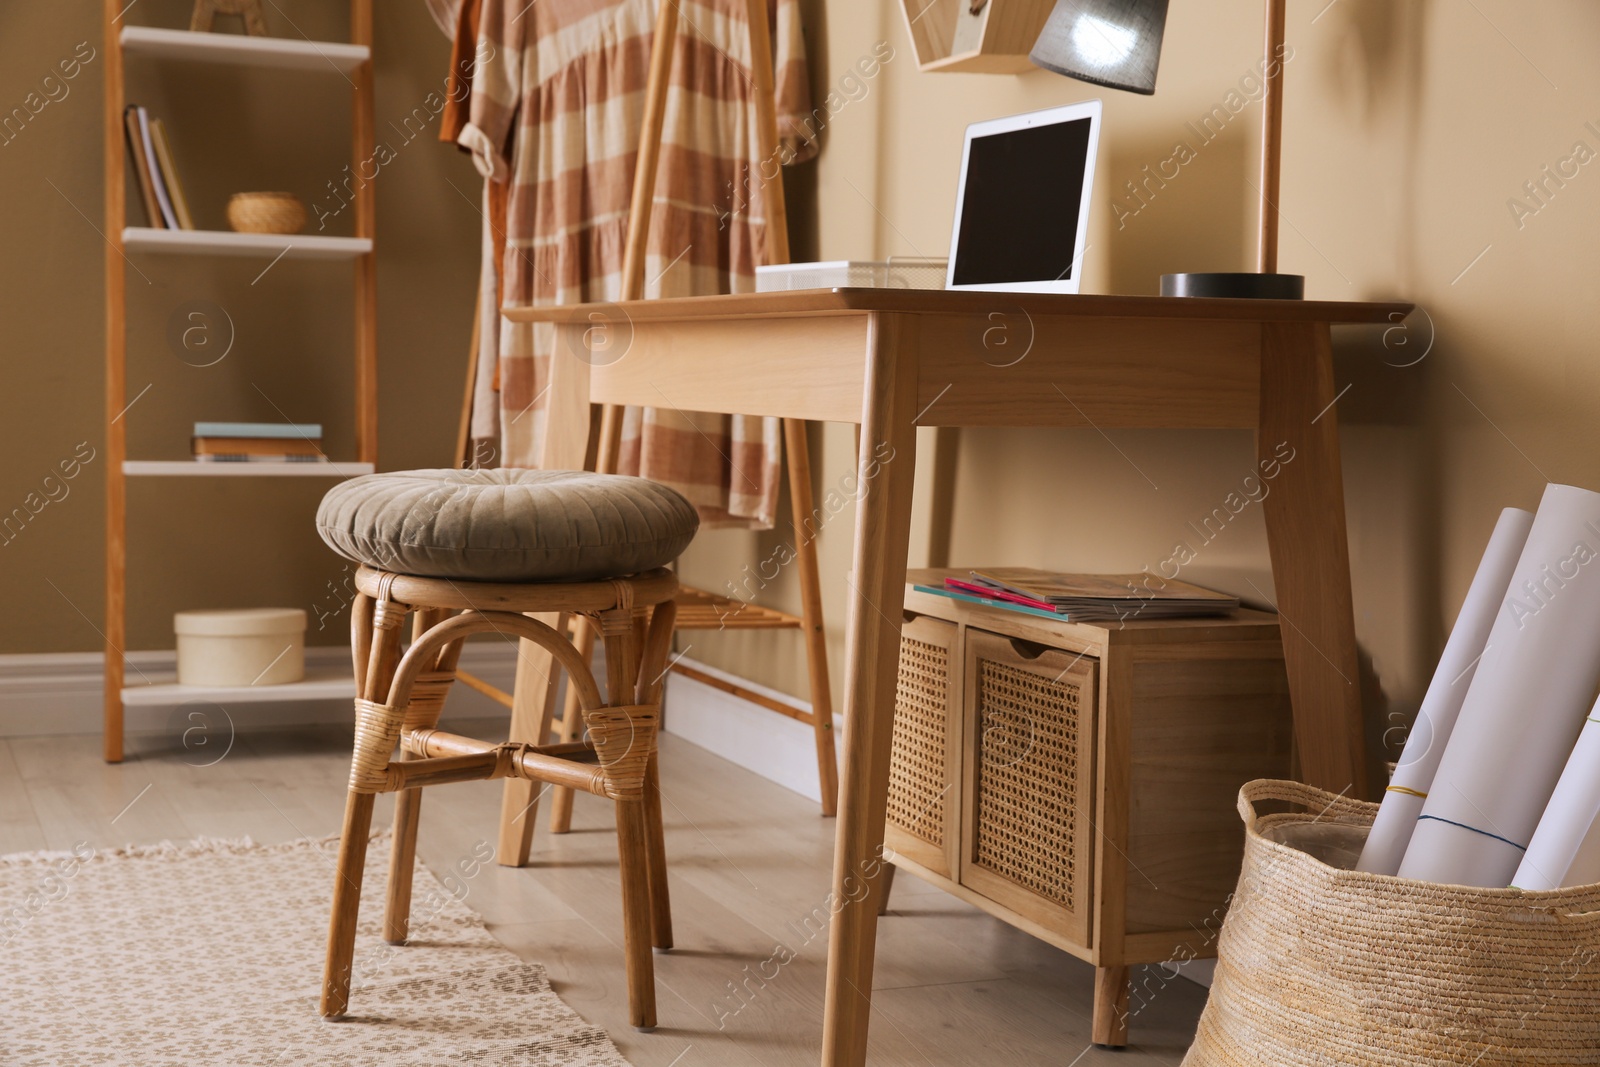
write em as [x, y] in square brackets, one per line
[1028, 649]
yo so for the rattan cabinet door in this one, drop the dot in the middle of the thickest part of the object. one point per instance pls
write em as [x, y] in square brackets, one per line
[1029, 739]
[924, 767]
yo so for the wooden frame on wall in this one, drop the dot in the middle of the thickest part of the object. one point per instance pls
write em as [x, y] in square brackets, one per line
[975, 36]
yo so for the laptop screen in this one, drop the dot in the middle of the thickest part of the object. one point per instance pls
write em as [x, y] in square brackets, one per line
[1020, 207]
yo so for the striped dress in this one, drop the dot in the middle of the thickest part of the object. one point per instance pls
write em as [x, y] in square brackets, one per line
[557, 110]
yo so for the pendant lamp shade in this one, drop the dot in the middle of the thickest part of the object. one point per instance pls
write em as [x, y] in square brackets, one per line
[1115, 43]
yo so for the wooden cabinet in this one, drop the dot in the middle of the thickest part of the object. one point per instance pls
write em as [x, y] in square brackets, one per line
[1078, 780]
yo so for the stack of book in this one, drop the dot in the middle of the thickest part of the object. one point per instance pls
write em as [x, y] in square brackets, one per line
[258, 442]
[1085, 597]
[165, 204]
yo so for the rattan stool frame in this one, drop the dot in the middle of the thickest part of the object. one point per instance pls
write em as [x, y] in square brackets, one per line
[400, 697]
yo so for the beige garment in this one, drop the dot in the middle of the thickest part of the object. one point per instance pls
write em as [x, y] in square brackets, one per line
[485, 390]
[562, 81]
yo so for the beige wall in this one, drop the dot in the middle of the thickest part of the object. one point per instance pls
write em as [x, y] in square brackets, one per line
[1408, 127]
[213, 542]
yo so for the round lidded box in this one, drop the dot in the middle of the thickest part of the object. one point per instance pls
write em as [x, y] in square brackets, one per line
[241, 647]
[279, 213]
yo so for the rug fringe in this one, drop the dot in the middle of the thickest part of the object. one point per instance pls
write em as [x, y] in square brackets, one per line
[168, 849]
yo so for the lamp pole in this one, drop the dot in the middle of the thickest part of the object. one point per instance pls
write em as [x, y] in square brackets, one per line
[1265, 282]
[1117, 43]
[1271, 140]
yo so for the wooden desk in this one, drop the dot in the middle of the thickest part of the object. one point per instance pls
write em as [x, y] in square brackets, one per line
[895, 359]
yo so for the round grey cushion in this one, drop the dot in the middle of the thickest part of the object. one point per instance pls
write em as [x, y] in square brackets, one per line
[506, 525]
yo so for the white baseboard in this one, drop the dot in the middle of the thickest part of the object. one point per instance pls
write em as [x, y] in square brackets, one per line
[774, 746]
[59, 693]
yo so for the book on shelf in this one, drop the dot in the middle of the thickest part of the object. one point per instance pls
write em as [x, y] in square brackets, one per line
[306, 431]
[260, 457]
[257, 446]
[257, 442]
[1093, 597]
[142, 171]
[166, 206]
[169, 218]
[169, 174]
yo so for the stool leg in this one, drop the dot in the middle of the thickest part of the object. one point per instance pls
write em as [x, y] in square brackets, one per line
[402, 864]
[656, 859]
[361, 639]
[408, 804]
[652, 681]
[385, 655]
[633, 862]
[346, 904]
[571, 727]
[622, 676]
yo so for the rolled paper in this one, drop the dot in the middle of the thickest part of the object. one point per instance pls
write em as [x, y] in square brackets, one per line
[1525, 707]
[1569, 820]
[1436, 719]
[1585, 869]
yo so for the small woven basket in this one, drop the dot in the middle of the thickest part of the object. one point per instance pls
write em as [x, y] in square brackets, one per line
[1320, 966]
[266, 213]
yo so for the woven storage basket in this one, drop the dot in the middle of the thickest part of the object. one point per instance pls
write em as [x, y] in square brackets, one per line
[266, 213]
[1318, 966]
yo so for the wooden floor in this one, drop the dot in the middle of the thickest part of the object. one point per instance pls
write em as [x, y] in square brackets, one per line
[750, 877]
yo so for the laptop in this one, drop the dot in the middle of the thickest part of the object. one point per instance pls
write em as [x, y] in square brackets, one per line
[1022, 210]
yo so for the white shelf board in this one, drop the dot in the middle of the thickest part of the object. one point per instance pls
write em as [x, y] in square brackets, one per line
[240, 50]
[321, 683]
[228, 243]
[195, 469]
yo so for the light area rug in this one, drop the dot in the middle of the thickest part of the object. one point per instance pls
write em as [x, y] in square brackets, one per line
[211, 953]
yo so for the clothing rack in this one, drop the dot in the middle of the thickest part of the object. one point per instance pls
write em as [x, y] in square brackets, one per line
[697, 609]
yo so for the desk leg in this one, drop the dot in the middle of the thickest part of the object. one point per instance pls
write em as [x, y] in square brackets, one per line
[882, 537]
[1299, 432]
[566, 441]
[533, 699]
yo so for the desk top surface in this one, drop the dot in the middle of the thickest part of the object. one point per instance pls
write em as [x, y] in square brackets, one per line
[811, 302]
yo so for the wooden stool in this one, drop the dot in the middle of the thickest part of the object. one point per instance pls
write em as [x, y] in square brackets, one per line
[402, 696]
[476, 551]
